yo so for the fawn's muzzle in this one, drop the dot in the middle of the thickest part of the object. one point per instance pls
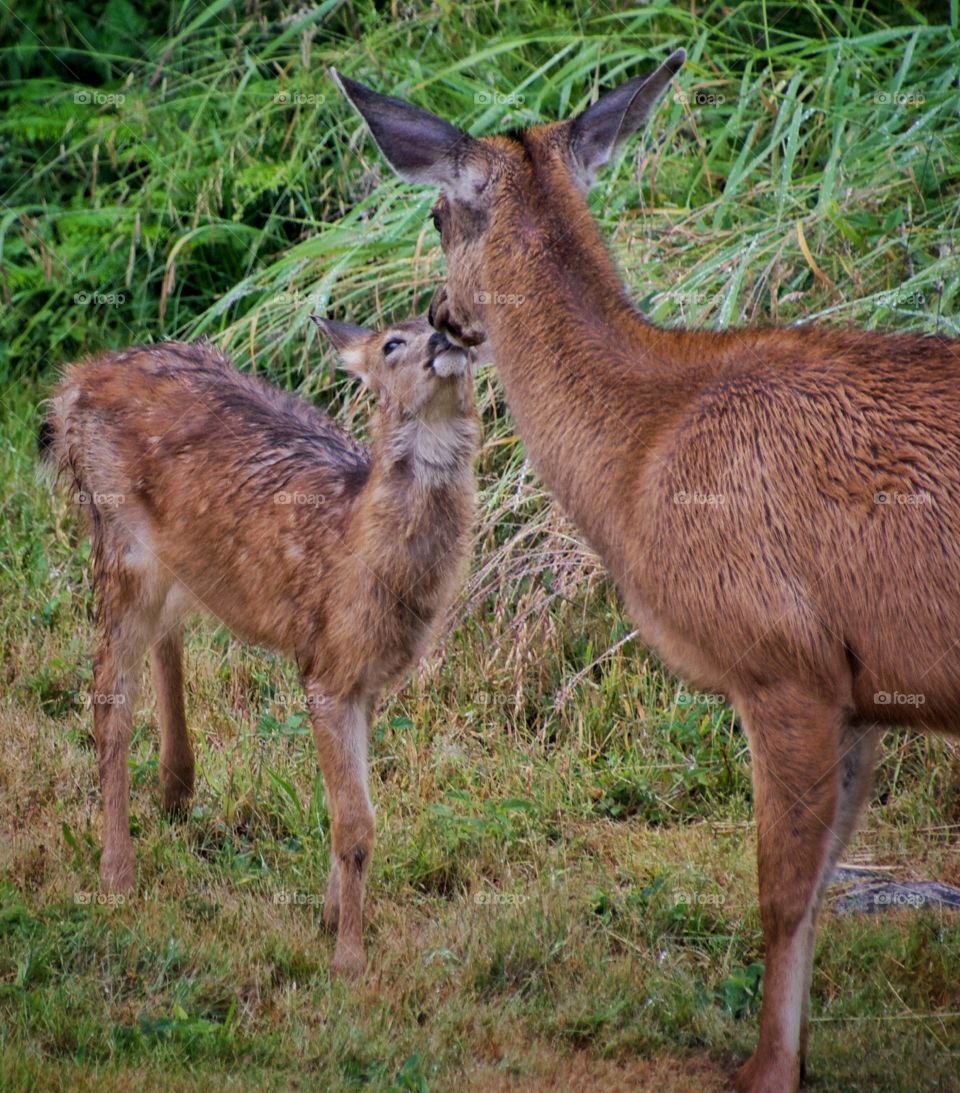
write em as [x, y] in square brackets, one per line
[446, 359]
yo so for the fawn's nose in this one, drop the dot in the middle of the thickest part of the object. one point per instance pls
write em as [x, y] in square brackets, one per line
[446, 360]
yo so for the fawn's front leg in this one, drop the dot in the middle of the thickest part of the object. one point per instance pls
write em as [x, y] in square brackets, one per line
[340, 728]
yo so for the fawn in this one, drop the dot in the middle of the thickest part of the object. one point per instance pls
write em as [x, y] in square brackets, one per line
[205, 488]
[780, 508]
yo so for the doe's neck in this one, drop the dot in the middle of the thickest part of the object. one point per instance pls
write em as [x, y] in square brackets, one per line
[589, 382]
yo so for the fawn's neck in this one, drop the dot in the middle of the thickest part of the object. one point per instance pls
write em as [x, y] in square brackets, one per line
[418, 501]
[418, 456]
[589, 382]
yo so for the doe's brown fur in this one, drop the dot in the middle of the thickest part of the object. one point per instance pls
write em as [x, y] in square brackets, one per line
[780, 508]
[208, 489]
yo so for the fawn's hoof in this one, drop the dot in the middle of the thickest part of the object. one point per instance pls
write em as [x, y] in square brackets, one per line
[177, 792]
[118, 872]
[331, 913]
[176, 802]
[348, 963]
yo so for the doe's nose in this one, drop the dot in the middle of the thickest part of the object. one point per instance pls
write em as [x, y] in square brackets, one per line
[437, 299]
[439, 343]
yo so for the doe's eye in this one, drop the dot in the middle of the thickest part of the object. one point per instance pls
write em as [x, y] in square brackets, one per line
[392, 345]
[435, 217]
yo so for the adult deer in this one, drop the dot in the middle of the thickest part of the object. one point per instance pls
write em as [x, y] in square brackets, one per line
[780, 508]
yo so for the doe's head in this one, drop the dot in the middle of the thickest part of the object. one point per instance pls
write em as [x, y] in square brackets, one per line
[500, 178]
[413, 369]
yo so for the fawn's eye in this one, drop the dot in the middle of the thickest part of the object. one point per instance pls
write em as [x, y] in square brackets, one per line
[435, 217]
[392, 346]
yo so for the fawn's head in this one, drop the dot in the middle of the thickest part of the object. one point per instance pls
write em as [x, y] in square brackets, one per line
[499, 190]
[414, 371]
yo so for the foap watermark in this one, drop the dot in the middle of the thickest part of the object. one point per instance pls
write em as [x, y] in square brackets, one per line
[699, 699]
[499, 299]
[498, 98]
[687, 297]
[912, 299]
[99, 899]
[700, 899]
[898, 899]
[99, 98]
[299, 98]
[897, 698]
[895, 497]
[700, 98]
[296, 298]
[298, 700]
[899, 98]
[287, 897]
[696, 497]
[484, 698]
[104, 500]
[298, 497]
[499, 899]
[99, 299]
[102, 698]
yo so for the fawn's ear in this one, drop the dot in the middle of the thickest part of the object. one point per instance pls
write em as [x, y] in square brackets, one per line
[599, 132]
[418, 145]
[350, 342]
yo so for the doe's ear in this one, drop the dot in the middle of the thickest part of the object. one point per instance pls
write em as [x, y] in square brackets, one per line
[599, 132]
[349, 341]
[418, 145]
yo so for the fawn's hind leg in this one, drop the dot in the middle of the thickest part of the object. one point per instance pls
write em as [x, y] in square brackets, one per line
[176, 754]
[117, 669]
[130, 594]
[340, 728]
[331, 899]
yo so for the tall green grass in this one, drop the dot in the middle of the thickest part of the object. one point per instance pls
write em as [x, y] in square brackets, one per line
[211, 177]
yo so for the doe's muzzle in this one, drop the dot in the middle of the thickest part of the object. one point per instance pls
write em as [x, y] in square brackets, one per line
[439, 317]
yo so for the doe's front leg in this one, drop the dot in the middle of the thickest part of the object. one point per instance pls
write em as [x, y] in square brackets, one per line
[799, 744]
[340, 727]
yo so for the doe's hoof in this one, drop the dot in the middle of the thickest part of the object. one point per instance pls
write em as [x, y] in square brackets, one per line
[118, 873]
[348, 963]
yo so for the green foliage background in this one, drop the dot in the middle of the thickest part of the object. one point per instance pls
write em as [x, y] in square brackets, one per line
[196, 162]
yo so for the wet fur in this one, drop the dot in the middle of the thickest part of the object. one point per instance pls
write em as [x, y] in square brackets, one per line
[208, 489]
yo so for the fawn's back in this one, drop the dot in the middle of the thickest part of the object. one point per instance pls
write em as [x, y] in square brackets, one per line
[214, 490]
[210, 481]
